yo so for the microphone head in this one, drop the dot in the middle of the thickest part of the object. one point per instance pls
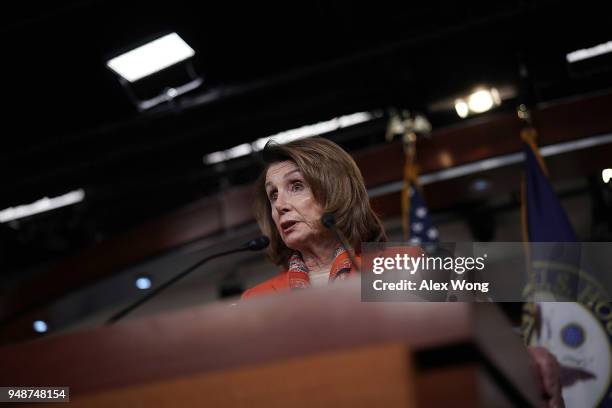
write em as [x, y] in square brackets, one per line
[258, 243]
[328, 220]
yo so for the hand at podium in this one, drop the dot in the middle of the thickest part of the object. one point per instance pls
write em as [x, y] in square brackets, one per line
[549, 374]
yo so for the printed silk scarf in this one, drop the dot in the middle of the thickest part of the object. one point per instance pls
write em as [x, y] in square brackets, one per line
[298, 272]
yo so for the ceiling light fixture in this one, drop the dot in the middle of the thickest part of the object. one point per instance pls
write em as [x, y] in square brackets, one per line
[606, 175]
[479, 101]
[462, 108]
[156, 72]
[151, 57]
[42, 205]
[587, 53]
[290, 135]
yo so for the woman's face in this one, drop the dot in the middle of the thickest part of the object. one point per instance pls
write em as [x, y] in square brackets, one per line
[295, 211]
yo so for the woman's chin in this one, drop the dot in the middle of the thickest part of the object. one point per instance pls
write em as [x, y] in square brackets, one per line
[293, 241]
[298, 238]
[292, 244]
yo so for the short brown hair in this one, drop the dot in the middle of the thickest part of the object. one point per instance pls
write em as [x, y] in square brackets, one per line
[337, 185]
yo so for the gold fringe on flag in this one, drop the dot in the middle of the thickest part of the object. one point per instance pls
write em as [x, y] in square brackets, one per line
[529, 135]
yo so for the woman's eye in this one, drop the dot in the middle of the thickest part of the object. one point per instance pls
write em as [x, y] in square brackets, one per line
[273, 196]
[297, 186]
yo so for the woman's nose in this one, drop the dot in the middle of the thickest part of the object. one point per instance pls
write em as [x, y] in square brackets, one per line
[281, 205]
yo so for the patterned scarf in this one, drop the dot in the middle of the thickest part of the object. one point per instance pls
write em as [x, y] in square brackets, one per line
[298, 271]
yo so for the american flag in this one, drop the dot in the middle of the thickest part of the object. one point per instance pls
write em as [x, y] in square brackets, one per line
[420, 226]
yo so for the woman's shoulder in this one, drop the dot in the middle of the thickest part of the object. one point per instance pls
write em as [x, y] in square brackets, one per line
[277, 283]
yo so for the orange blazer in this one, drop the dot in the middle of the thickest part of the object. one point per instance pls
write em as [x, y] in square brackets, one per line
[280, 282]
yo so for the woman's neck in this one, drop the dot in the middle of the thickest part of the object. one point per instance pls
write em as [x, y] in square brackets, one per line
[319, 256]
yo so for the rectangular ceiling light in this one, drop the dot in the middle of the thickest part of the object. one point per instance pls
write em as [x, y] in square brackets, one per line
[42, 205]
[290, 135]
[587, 53]
[151, 57]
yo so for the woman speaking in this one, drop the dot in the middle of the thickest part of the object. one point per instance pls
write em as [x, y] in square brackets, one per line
[302, 181]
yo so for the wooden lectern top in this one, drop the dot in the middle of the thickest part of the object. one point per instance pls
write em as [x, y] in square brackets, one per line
[270, 329]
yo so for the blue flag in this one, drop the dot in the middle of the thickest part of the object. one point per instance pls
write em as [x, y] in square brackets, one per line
[546, 219]
[569, 330]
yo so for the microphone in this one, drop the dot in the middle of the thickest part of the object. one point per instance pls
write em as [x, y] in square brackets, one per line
[329, 221]
[255, 244]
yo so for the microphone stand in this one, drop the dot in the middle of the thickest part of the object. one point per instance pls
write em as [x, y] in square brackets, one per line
[329, 221]
[248, 247]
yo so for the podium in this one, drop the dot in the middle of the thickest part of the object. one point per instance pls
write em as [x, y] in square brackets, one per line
[311, 348]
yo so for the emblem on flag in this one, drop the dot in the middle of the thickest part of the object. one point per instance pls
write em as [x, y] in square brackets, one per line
[577, 333]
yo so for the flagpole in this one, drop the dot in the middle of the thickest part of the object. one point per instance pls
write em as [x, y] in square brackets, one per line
[407, 126]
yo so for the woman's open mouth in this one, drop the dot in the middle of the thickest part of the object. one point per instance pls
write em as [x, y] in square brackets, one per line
[287, 226]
